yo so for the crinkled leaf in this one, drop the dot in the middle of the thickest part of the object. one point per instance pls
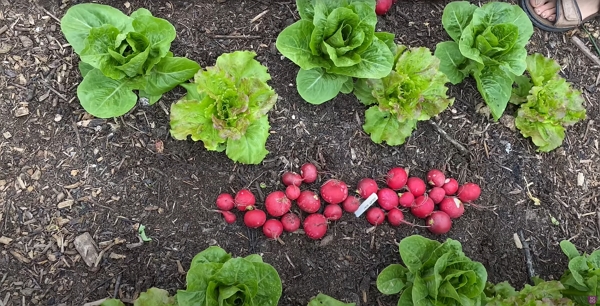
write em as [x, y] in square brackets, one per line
[104, 97]
[456, 16]
[521, 89]
[383, 126]
[317, 86]
[155, 297]
[325, 300]
[112, 302]
[96, 52]
[451, 61]
[363, 91]
[541, 69]
[392, 279]
[241, 64]
[250, 148]
[495, 85]
[546, 136]
[192, 118]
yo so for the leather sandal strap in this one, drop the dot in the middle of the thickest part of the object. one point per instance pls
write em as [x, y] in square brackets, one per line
[567, 13]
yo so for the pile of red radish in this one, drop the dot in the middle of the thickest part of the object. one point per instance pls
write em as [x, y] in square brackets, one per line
[401, 192]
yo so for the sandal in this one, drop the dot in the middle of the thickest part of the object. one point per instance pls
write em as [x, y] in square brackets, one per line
[568, 16]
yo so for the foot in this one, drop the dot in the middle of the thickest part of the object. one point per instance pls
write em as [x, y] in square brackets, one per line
[547, 8]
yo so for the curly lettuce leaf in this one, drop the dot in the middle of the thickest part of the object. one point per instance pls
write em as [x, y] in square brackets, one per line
[325, 300]
[226, 108]
[542, 293]
[155, 297]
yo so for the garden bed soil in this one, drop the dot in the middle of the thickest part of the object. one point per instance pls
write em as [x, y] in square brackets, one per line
[63, 173]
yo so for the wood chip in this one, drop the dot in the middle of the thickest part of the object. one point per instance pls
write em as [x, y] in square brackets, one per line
[20, 257]
[22, 111]
[65, 204]
[7, 135]
[517, 241]
[116, 256]
[180, 268]
[73, 186]
[5, 240]
[84, 244]
[580, 179]
[585, 49]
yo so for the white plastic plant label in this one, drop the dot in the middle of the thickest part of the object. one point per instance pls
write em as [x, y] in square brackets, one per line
[366, 204]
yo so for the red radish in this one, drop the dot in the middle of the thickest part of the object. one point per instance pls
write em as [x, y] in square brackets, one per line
[406, 199]
[450, 186]
[225, 201]
[333, 212]
[436, 178]
[395, 217]
[292, 192]
[334, 191]
[453, 207]
[437, 194]
[309, 201]
[290, 222]
[291, 178]
[396, 178]
[416, 186]
[439, 222]
[351, 204]
[468, 192]
[255, 218]
[277, 204]
[309, 173]
[367, 187]
[273, 228]
[375, 216]
[423, 207]
[383, 6]
[244, 200]
[387, 198]
[229, 216]
[315, 226]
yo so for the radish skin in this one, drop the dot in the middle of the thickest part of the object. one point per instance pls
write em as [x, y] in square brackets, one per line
[277, 204]
[309, 173]
[366, 187]
[291, 178]
[437, 194]
[225, 202]
[406, 199]
[333, 212]
[375, 216]
[228, 216]
[450, 186]
[255, 218]
[439, 222]
[382, 7]
[244, 200]
[453, 207]
[416, 186]
[315, 226]
[468, 192]
[396, 178]
[291, 222]
[436, 178]
[351, 204]
[292, 192]
[273, 228]
[309, 201]
[395, 217]
[423, 207]
[334, 191]
[387, 198]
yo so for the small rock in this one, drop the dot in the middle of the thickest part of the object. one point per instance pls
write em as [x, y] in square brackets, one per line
[36, 175]
[580, 179]
[65, 204]
[84, 244]
[5, 240]
[57, 117]
[26, 41]
[22, 111]
[7, 135]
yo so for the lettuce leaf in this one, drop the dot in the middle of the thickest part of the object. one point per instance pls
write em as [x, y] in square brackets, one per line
[226, 108]
[325, 300]
[542, 293]
[414, 91]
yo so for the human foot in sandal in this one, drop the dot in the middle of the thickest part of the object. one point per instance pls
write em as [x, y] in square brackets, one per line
[560, 15]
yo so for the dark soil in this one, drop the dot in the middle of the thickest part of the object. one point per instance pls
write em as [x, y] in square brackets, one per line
[128, 171]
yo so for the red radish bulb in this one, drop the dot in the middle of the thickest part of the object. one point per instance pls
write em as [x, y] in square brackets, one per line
[309, 201]
[333, 212]
[436, 178]
[437, 194]
[416, 186]
[291, 178]
[453, 207]
[382, 6]
[396, 178]
[290, 222]
[450, 186]
[375, 216]
[277, 204]
[244, 200]
[334, 191]
[439, 222]
[468, 192]
[367, 187]
[351, 204]
[292, 192]
[273, 228]
[423, 207]
[255, 218]
[387, 198]
[228, 216]
[225, 202]
[395, 217]
[315, 226]
[406, 199]
[309, 173]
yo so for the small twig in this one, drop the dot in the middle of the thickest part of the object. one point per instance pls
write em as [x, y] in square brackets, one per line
[102, 254]
[56, 92]
[459, 146]
[237, 36]
[585, 50]
[136, 244]
[117, 286]
[77, 133]
[50, 14]
[528, 259]
[96, 303]
[3, 29]
[593, 40]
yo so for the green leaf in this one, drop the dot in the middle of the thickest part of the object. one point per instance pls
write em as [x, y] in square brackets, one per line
[569, 249]
[495, 85]
[191, 118]
[159, 32]
[388, 40]
[376, 62]
[112, 302]
[155, 297]
[241, 64]
[513, 61]
[541, 69]
[142, 232]
[456, 16]
[415, 250]
[317, 86]
[293, 43]
[104, 97]
[392, 279]
[348, 86]
[269, 282]
[451, 60]
[363, 91]
[306, 9]
[84, 68]
[80, 19]
[521, 90]
[167, 74]
[382, 126]
[96, 52]
[250, 148]
[325, 300]
[546, 136]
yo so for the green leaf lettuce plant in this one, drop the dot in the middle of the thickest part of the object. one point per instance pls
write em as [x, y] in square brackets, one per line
[488, 43]
[433, 273]
[414, 90]
[121, 54]
[548, 103]
[581, 280]
[541, 293]
[226, 108]
[333, 42]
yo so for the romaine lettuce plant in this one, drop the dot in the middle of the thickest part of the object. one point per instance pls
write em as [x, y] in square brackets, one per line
[226, 108]
[333, 42]
[488, 43]
[120, 54]
[582, 279]
[548, 103]
[415, 90]
[434, 273]
[215, 278]
[325, 300]
[541, 293]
